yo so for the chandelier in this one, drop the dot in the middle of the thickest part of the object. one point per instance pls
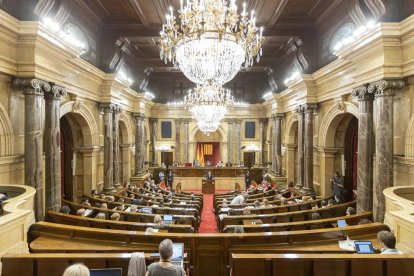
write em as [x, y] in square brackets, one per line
[210, 41]
[209, 105]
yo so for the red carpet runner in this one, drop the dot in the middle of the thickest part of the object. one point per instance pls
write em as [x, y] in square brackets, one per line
[208, 224]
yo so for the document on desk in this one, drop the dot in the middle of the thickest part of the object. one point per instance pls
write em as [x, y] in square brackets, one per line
[347, 245]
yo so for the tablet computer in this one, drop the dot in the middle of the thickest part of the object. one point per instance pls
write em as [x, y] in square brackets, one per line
[341, 223]
[106, 272]
[364, 247]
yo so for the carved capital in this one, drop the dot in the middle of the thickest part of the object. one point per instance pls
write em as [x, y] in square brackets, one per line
[32, 86]
[153, 120]
[310, 108]
[263, 120]
[139, 117]
[177, 122]
[383, 88]
[361, 93]
[107, 107]
[186, 121]
[117, 109]
[237, 121]
[299, 110]
[56, 93]
[278, 116]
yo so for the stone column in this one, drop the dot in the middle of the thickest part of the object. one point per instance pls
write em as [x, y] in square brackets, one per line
[178, 140]
[274, 143]
[153, 133]
[108, 110]
[290, 162]
[278, 143]
[238, 140]
[33, 90]
[116, 114]
[230, 141]
[186, 140]
[300, 160]
[53, 189]
[262, 129]
[139, 143]
[309, 110]
[384, 91]
[365, 147]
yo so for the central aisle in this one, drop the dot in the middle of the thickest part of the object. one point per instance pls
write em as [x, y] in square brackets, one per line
[208, 223]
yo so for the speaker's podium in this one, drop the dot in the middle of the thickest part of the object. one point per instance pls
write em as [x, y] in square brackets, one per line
[208, 186]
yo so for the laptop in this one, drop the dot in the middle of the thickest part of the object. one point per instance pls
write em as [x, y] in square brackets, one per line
[106, 272]
[168, 219]
[341, 223]
[178, 254]
[364, 247]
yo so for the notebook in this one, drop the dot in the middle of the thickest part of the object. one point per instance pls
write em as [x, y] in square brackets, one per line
[106, 272]
[364, 247]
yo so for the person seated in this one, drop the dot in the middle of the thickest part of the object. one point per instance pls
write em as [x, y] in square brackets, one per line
[316, 216]
[314, 206]
[80, 212]
[240, 199]
[246, 211]
[121, 200]
[265, 203]
[331, 203]
[133, 208]
[257, 204]
[164, 266]
[104, 206]
[219, 164]
[120, 208]
[338, 199]
[163, 166]
[258, 221]
[350, 211]
[290, 202]
[115, 216]
[253, 185]
[100, 216]
[64, 210]
[139, 201]
[132, 196]
[76, 270]
[158, 219]
[209, 176]
[238, 229]
[85, 201]
[102, 196]
[388, 242]
[95, 193]
[364, 221]
[208, 164]
[323, 203]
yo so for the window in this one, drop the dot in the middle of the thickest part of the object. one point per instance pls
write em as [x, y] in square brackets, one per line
[166, 130]
[250, 130]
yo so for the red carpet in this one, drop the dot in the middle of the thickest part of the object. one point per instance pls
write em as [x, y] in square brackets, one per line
[208, 224]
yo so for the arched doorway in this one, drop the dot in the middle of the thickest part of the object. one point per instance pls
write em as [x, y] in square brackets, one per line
[351, 158]
[210, 145]
[66, 157]
[291, 145]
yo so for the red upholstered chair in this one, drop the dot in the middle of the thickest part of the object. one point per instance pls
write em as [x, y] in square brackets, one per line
[163, 186]
[253, 185]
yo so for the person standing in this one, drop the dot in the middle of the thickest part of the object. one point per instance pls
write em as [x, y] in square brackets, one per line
[247, 179]
[170, 179]
[161, 176]
[338, 187]
[209, 176]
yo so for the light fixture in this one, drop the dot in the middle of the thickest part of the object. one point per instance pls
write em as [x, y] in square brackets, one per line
[209, 105]
[210, 41]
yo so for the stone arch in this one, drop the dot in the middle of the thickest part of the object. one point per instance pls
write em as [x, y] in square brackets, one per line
[6, 133]
[331, 121]
[85, 120]
[195, 130]
[291, 129]
[409, 139]
[126, 127]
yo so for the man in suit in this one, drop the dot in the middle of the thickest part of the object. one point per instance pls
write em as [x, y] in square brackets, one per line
[170, 179]
[247, 179]
[209, 176]
[338, 187]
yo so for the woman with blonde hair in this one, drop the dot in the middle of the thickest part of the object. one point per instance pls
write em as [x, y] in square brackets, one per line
[76, 270]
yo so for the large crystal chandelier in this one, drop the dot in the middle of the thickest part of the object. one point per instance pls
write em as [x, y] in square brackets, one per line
[209, 105]
[210, 41]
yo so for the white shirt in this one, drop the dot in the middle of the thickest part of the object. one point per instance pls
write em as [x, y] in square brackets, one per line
[238, 200]
[388, 251]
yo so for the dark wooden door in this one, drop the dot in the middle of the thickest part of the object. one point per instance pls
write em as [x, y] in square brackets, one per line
[167, 158]
[350, 152]
[249, 159]
[66, 157]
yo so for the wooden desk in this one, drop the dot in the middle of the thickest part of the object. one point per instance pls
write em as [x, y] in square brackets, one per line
[208, 186]
[201, 172]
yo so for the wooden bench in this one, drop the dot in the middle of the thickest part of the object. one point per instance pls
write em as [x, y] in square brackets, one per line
[209, 254]
[321, 265]
[52, 264]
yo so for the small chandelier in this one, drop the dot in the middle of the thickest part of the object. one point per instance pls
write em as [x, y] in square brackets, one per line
[210, 42]
[209, 105]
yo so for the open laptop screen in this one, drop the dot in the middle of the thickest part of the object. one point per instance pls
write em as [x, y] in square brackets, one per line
[364, 247]
[341, 223]
[178, 252]
[106, 272]
[168, 217]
